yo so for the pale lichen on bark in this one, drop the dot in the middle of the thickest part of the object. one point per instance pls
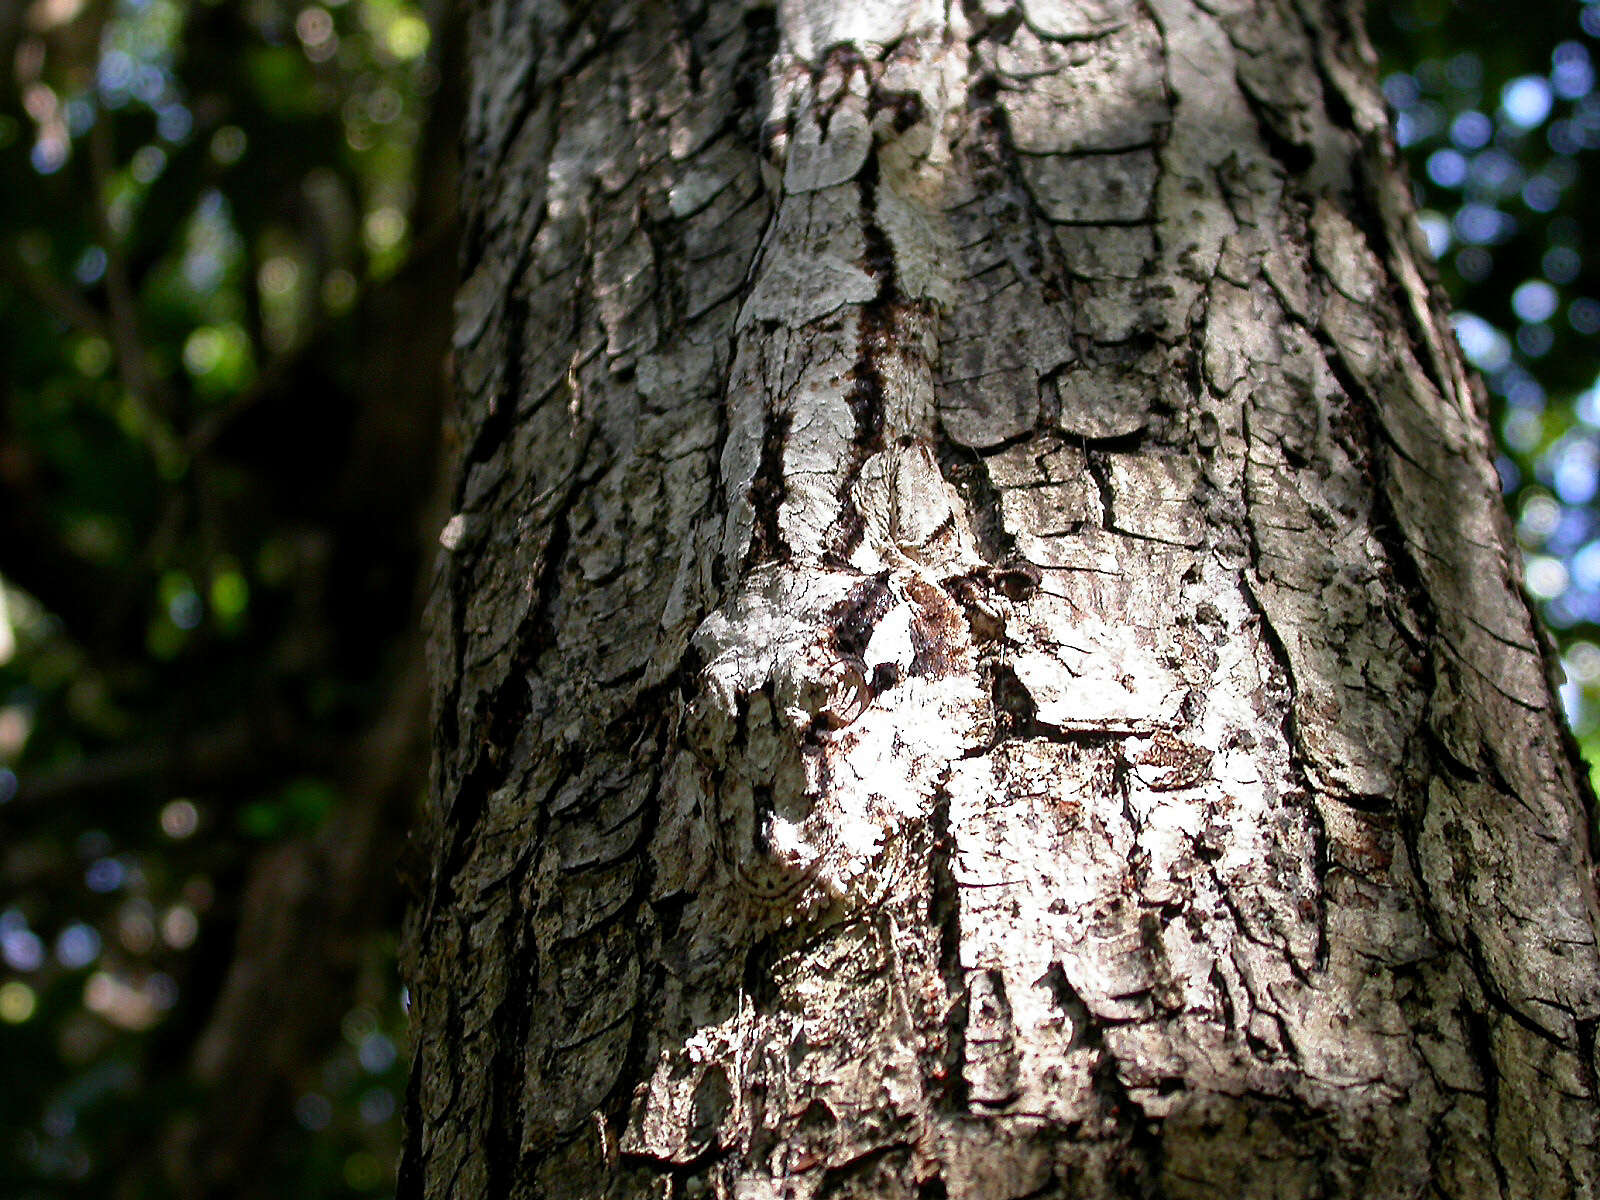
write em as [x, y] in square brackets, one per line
[980, 653]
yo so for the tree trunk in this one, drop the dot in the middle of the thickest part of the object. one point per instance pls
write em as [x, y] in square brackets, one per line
[981, 655]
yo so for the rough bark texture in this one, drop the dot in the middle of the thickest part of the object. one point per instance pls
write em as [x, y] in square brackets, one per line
[981, 656]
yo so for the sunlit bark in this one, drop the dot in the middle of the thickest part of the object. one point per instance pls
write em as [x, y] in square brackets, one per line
[981, 655]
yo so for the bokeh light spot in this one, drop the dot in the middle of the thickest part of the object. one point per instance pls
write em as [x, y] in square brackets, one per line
[180, 927]
[1539, 516]
[77, 946]
[91, 265]
[1584, 315]
[1535, 341]
[362, 1171]
[147, 164]
[314, 25]
[1447, 168]
[406, 36]
[279, 274]
[228, 145]
[1483, 224]
[1576, 461]
[136, 927]
[1583, 658]
[1471, 130]
[377, 1053]
[1436, 229]
[384, 228]
[202, 350]
[1561, 264]
[174, 123]
[1547, 577]
[17, 1002]
[230, 595]
[105, 875]
[1534, 300]
[1522, 430]
[1526, 100]
[179, 819]
[1586, 571]
[1572, 74]
[1541, 194]
[92, 357]
[1485, 346]
[22, 949]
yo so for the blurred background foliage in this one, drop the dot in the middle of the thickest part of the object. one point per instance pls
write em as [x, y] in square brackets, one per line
[226, 258]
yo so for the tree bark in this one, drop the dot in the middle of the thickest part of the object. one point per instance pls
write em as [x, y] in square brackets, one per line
[981, 655]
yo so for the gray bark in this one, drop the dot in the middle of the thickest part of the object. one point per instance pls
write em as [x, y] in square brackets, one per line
[980, 654]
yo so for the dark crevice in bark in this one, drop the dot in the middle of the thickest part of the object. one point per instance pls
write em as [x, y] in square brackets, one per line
[1230, 1018]
[839, 1180]
[1440, 754]
[1586, 1050]
[659, 704]
[690, 20]
[767, 493]
[1137, 1174]
[679, 1175]
[496, 424]
[1096, 466]
[943, 1078]
[854, 618]
[1297, 157]
[1015, 713]
[1320, 862]
[410, 1178]
[1085, 1029]
[999, 29]
[749, 74]
[671, 290]
[758, 975]
[1116, 443]
[876, 338]
[1480, 1045]
[1092, 152]
[512, 1020]
[1106, 223]
[506, 713]
[963, 470]
[905, 108]
[581, 56]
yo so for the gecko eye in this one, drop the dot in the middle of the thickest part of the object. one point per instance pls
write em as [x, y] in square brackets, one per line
[1018, 582]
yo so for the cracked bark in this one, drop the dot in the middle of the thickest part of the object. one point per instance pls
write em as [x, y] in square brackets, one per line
[980, 654]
